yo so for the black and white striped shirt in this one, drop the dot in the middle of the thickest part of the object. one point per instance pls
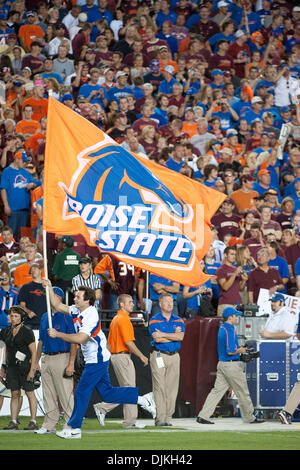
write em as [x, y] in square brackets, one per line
[94, 281]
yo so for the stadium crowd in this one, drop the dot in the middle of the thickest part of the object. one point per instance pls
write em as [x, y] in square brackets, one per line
[208, 89]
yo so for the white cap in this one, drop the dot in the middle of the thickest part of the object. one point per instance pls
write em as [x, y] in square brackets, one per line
[120, 74]
[169, 68]
[239, 33]
[82, 17]
[256, 99]
[296, 9]
[222, 4]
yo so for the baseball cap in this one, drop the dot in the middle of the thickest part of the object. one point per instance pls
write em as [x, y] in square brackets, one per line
[82, 17]
[22, 156]
[222, 4]
[29, 13]
[59, 291]
[67, 239]
[239, 33]
[284, 109]
[120, 74]
[169, 68]
[247, 178]
[296, 8]
[217, 72]
[256, 99]
[263, 172]
[67, 96]
[228, 311]
[271, 191]
[277, 297]
[85, 260]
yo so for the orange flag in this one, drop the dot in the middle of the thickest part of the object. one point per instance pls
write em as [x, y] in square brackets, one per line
[142, 213]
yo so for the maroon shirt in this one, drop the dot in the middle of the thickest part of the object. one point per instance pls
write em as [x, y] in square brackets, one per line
[224, 63]
[254, 246]
[232, 295]
[9, 252]
[259, 279]
[292, 253]
[227, 225]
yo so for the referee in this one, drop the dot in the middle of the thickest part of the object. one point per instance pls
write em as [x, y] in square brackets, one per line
[230, 372]
[87, 278]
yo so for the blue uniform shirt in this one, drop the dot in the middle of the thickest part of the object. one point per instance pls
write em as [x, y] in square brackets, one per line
[61, 322]
[153, 279]
[158, 322]
[227, 342]
[7, 300]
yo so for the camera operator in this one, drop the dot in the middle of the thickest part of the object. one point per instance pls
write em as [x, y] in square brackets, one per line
[20, 362]
[230, 372]
[281, 324]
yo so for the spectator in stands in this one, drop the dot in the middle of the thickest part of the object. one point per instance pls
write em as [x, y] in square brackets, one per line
[278, 262]
[19, 258]
[9, 246]
[231, 280]
[8, 296]
[16, 184]
[263, 277]
[227, 220]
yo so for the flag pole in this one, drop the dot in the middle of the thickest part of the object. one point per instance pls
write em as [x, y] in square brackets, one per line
[46, 276]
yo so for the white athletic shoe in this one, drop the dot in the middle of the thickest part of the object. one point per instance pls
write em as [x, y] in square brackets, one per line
[72, 433]
[43, 430]
[100, 415]
[137, 425]
[147, 403]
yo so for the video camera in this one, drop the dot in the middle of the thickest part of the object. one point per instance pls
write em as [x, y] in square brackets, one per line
[250, 355]
[36, 379]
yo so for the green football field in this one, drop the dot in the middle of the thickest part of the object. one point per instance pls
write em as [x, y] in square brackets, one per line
[113, 438]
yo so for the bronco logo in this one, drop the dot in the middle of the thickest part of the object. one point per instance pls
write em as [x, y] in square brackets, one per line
[127, 209]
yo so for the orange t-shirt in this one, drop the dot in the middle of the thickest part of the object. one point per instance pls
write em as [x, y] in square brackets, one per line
[27, 127]
[243, 201]
[120, 332]
[40, 107]
[34, 141]
[30, 33]
[190, 129]
[22, 276]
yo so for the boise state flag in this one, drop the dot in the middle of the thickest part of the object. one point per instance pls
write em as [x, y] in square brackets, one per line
[144, 214]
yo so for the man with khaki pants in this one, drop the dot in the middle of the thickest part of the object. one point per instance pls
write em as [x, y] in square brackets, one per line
[57, 369]
[121, 344]
[167, 332]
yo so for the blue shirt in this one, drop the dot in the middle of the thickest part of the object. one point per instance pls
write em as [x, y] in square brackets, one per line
[167, 87]
[115, 93]
[60, 322]
[158, 322]
[7, 300]
[297, 267]
[86, 89]
[227, 342]
[172, 165]
[14, 182]
[153, 279]
[282, 267]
